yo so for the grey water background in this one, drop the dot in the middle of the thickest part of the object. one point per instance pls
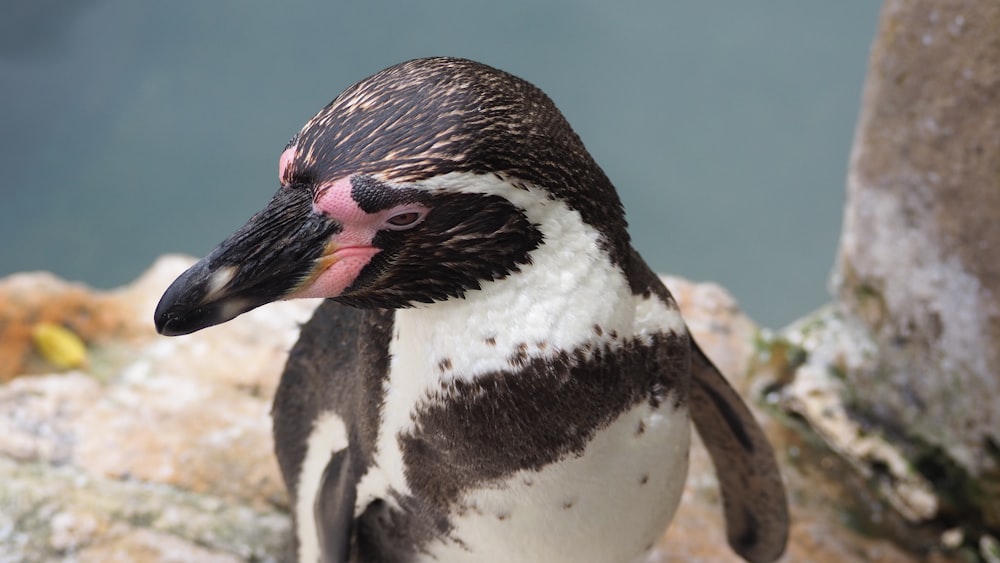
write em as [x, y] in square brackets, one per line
[133, 128]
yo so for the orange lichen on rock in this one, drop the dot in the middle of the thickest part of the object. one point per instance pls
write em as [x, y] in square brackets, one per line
[30, 300]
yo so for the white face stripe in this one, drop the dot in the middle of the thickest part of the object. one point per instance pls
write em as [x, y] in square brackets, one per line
[328, 436]
[570, 286]
[553, 304]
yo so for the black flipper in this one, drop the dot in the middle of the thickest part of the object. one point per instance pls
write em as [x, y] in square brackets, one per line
[338, 365]
[334, 508]
[753, 496]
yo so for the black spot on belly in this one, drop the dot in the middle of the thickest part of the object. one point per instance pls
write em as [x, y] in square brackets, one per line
[643, 479]
[568, 504]
[640, 428]
[491, 341]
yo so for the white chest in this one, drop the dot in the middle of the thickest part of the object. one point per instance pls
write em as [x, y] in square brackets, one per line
[609, 504]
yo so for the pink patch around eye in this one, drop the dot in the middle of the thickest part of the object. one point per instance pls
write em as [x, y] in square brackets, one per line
[334, 199]
[284, 162]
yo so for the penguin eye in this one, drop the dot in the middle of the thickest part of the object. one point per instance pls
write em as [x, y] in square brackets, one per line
[405, 220]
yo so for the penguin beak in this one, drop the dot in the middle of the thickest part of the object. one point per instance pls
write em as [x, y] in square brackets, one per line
[263, 261]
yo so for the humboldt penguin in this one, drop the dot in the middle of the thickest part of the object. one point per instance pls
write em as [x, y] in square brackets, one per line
[495, 374]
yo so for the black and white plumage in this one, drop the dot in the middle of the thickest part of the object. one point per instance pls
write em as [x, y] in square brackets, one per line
[496, 374]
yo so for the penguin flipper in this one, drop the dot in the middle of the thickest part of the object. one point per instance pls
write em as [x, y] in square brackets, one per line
[753, 495]
[334, 508]
[332, 377]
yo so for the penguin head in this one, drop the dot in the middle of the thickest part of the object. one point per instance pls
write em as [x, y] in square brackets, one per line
[388, 198]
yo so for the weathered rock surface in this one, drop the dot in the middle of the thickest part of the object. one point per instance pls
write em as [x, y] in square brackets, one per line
[919, 263]
[160, 449]
[900, 376]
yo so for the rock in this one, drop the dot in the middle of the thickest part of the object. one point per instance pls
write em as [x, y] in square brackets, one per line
[63, 512]
[899, 376]
[919, 262]
[167, 456]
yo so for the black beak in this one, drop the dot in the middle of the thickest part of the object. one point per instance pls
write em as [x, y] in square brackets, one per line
[263, 261]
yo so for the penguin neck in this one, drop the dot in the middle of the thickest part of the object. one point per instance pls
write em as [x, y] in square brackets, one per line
[571, 294]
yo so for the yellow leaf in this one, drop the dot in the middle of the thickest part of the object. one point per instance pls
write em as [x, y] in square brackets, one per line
[59, 346]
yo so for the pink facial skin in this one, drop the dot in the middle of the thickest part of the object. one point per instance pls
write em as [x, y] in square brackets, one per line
[350, 250]
[284, 162]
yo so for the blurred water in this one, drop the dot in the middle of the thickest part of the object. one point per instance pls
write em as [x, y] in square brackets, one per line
[133, 128]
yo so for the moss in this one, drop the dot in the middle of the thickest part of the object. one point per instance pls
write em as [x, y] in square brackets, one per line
[968, 502]
[777, 356]
[992, 449]
[869, 305]
[990, 548]
[837, 486]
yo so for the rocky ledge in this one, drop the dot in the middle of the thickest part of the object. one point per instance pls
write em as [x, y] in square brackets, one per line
[157, 449]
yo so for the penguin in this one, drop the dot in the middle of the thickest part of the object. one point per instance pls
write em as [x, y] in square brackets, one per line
[494, 373]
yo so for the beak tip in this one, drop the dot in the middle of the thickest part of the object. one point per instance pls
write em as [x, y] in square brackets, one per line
[175, 311]
[165, 326]
[172, 324]
[185, 308]
[165, 318]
